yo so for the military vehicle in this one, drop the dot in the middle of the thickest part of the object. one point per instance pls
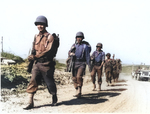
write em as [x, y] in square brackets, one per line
[141, 75]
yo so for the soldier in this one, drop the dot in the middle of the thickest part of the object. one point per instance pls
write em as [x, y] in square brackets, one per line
[98, 58]
[81, 57]
[43, 52]
[119, 68]
[108, 69]
[114, 72]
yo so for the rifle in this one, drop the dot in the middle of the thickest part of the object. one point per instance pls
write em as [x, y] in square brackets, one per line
[71, 63]
[92, 63]
[30, 65]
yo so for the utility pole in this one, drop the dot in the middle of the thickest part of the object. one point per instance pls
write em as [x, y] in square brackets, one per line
[2, 43]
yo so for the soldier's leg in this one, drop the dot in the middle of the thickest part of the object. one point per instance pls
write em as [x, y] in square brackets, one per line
[106, 74]
[110, 76]
[117, 77]
[33, 86]
[93, 74]
[48, 77]
[99, 73]
[80, 80]
[74, 79]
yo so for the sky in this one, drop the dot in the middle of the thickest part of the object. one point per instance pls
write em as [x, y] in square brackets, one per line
[122, 26]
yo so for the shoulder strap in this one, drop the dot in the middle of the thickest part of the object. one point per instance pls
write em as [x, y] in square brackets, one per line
[84, 46]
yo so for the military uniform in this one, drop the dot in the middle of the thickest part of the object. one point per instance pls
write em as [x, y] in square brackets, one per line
[43, 52]
[119, 68]
[44, 64]
[98, 57]
[114, 72]
[108, 69]
[81, 58]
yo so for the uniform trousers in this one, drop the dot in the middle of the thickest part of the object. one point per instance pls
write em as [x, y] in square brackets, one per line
[99, 74]
[46, 71]
[78, 72]
[108, 75]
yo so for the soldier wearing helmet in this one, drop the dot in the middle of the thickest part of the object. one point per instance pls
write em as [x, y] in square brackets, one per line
[108, 68]
[119, 68]
[98, 59]
[42, 55]
[81, 57]
[114, 72]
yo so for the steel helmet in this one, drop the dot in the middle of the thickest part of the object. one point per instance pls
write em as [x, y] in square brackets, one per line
[42, 20]
[80, 34]
[99, 45]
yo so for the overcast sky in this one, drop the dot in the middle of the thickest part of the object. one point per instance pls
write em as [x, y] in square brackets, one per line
[123, 26]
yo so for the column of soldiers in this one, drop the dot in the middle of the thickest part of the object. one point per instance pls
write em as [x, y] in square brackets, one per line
[79, 56]
[42, 64]
[112, 69]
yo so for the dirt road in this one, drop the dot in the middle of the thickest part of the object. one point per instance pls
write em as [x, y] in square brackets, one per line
[126, 96]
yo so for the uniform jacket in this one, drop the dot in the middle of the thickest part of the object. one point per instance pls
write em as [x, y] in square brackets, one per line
[108, 65]
[98, 57]
[42, 44]
[82, 53]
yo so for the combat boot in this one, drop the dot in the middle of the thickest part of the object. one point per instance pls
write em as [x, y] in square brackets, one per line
[54, 100]
[31, 103]
[30, 106]
[94, 87]
[99, 89]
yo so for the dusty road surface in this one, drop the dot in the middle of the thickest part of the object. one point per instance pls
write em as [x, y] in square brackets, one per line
[126, 96]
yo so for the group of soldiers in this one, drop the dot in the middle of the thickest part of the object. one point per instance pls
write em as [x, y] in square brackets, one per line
[42, 63]
[79, 56]
[112, 69]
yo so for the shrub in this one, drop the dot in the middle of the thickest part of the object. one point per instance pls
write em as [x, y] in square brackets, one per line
[8, 55]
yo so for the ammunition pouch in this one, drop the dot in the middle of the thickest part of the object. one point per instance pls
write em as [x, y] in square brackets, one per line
[80, 60]
[42, 60]
[97, 63]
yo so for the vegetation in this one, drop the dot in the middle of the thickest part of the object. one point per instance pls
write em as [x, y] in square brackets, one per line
[129, 68]
[18, 59]
[59, 65]
[13, 75]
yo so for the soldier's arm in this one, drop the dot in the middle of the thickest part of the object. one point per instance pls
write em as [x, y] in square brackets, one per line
[92, 56]
[103, 60]
[71, 51]
[87, 55]
[48, 47]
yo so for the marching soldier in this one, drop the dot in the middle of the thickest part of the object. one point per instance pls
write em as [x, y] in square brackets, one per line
[108, 69]
[81, 57]
[98, 58]
[114, 72]
[44, 50]
[119, 68]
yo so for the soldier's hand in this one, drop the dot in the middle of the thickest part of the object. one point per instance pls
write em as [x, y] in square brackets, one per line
[90, 69]
[99, 67]
[31, 57]
[72, 54]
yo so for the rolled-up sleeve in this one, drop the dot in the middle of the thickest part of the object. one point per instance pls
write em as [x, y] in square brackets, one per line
[103, 57]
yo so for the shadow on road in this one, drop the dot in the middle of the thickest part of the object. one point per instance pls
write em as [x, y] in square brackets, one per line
[93, 98]
[119, 85]
[119, 81]
[120, 89]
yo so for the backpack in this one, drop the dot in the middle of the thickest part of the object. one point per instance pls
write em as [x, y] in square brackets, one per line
[55, 45]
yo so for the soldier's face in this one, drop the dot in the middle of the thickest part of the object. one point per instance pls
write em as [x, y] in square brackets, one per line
[108, 57]
[41, 27]
[98, 48]
[79, 40]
